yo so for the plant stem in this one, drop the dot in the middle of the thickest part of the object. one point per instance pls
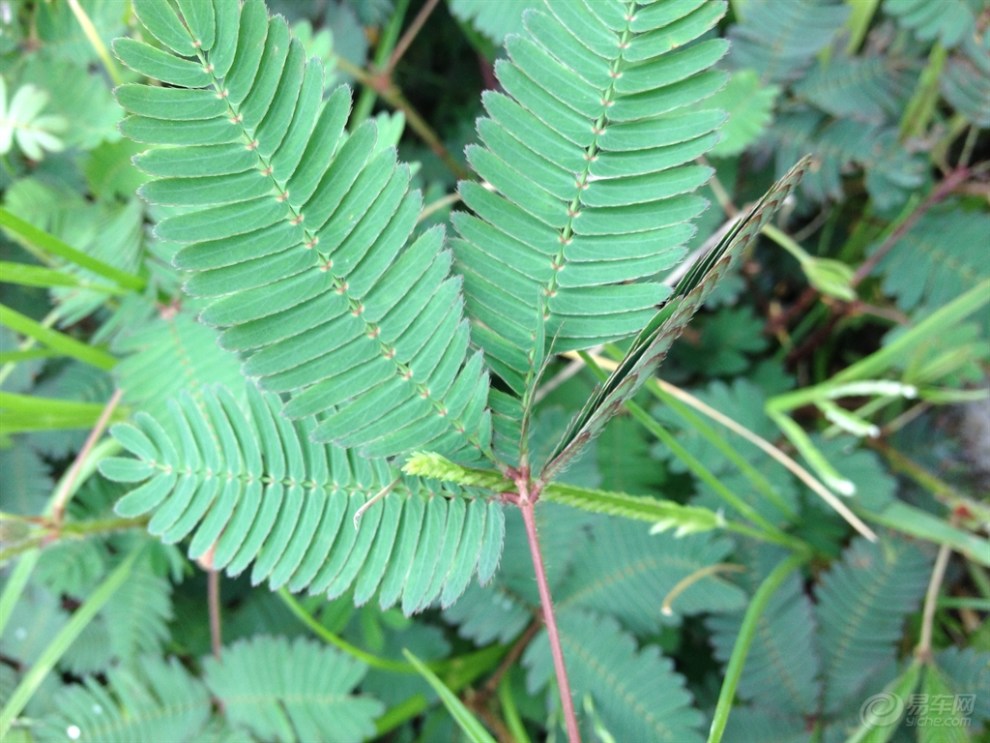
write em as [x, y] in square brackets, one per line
[49, 244]
[66, 486]
[409, 35]
[60, 643]
[383, 664]
[924, 650]
[733, 671]
[511, 713]
[75, 530]
[386, 43]
[526, 505]
[93, 36]
[64, 344]
[391, 94]
[947, 186]
[213, 602]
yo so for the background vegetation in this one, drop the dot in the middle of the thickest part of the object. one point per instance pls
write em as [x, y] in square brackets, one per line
[847, 354]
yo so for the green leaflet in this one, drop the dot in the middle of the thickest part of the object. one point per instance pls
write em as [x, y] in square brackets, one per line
[950, 21]
[637, 693]
[847, 639]
[153, 699]
[944, 248]
[300, 235]
[168, 354]
[588, 154]
[651, 345]
[276, 690]
[250, 486]
[785, 629]
[861, 606]
[780, 40]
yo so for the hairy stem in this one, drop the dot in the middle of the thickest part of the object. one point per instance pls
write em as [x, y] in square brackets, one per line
[526, 505]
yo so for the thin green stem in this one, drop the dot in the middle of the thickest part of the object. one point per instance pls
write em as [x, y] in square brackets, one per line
[406, 710]
[96, 42]
[861, 14]
[510, 712]
[664, 394]
[386, 44]
[62, 640]
[945, 317]
[921, 108]
[979, 577]
[964, 602]
[659, 387]
[50, 244]
[50, 533]
[16, 583]
[733, 672]
[698, 468]
[383, 664]
[55, 340]
[213, 605]
[28, 344]
[461, 672]
[787, 242]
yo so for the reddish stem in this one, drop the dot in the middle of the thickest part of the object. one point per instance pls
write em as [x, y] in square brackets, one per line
[408, 36]
[62, 498]
[526, 505]
[213, 603]
[952, 182]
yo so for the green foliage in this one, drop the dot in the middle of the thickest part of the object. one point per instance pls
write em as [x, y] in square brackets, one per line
[275, 690]
[846, 640]
[627, 572]
[946, 249]
[250, 486]
[780, 40]
[295, 234]
[494, 20]
[650, 346]
[892, 172]
[864, 88]
[316, 389]
[966, 82]
[749, 105]
[169, 353]
[152, 699]
[604, 199]
[948, 22]
[637, 693]
[861, 607]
